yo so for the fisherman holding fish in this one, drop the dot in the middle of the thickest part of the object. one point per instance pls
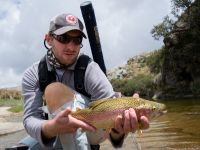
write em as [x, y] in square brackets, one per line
[64, 40]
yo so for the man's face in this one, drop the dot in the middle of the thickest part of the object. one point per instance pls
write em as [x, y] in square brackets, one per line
[66, 47]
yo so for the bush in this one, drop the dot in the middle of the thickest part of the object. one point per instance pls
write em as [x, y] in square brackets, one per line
[142, 84]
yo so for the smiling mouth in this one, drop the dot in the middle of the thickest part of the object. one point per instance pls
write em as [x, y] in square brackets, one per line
[69, 53]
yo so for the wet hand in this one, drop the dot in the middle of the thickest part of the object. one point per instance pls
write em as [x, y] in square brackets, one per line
[129, 122]
[64, 123]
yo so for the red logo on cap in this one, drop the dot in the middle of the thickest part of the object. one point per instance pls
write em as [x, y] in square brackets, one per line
[71, 19]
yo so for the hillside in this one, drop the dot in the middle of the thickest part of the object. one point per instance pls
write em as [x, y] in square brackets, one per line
[135, 66]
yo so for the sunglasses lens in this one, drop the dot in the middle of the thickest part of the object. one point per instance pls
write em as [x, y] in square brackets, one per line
[77, 40]
[65, 39]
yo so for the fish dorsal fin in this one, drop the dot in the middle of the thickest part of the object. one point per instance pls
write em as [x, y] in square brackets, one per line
[96, 103]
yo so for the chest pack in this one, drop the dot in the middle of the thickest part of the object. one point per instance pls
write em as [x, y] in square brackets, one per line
[46, 77]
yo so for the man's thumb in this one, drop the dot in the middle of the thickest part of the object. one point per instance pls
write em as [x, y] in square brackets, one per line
[66, 112]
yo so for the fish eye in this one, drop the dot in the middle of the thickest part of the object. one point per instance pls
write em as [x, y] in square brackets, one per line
[153, 108]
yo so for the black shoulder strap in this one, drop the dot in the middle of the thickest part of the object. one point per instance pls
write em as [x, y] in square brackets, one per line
[45, 77]
[79, 74]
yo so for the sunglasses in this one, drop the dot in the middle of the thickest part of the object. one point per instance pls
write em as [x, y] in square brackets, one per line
[65, 39]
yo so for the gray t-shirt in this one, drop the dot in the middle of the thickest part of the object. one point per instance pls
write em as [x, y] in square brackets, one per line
[96, 84]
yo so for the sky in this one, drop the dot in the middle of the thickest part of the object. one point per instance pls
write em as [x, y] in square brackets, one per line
[124, 28]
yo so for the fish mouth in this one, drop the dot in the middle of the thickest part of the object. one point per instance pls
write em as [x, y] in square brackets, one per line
[164, 111]
[160, 113]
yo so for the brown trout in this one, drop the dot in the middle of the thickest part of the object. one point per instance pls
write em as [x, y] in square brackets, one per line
[102, 113]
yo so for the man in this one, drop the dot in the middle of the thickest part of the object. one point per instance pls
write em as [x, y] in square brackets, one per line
[65, 40]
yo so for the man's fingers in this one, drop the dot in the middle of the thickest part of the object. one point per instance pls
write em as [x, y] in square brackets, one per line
[127, 125]
[144, 122]
[65, 118]
[118, 123]
[133, 120]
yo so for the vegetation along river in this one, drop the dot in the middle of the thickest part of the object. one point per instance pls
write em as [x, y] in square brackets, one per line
[178, 129]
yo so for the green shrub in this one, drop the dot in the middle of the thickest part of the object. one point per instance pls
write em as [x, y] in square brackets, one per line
[142, 84]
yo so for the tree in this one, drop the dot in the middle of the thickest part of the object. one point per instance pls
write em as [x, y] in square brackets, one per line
[178, 6]
[163, 29]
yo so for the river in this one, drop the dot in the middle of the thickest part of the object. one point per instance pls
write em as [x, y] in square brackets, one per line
[178, 129]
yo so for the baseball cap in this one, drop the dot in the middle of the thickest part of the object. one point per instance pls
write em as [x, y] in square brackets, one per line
[63, 23]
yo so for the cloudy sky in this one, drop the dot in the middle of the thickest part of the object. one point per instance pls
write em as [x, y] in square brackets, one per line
[124, 28]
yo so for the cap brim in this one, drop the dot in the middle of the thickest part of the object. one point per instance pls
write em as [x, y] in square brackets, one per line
[63, 30]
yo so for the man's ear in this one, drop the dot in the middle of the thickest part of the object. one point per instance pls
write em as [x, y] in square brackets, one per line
[49, 39]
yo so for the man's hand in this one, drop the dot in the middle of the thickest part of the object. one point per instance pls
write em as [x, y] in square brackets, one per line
[63, 123]
[129, 122]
